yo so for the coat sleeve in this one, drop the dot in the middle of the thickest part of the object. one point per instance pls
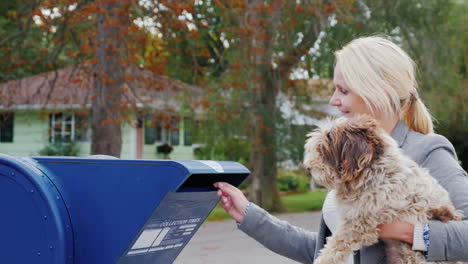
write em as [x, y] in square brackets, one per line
[448, 241]
[279, 236]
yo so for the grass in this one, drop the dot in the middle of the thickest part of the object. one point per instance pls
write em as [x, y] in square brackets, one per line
[304, 202]
[293, 203]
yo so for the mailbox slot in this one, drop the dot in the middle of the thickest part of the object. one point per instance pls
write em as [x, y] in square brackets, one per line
[204, 182]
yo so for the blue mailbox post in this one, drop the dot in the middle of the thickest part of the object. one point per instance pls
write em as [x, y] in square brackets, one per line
[85, 210]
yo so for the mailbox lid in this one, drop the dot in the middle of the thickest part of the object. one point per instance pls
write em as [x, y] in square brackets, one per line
[210, 166]
[35, 224]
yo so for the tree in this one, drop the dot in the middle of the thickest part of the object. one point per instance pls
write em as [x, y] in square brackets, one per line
[23, 49]
[248, 49]
[101, 39]
[112, 23]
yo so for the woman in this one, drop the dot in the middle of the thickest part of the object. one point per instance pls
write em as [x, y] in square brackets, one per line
[373, 76]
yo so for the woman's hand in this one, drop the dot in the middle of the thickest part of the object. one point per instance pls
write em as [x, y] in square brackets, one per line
[232, 200]
[397, 230]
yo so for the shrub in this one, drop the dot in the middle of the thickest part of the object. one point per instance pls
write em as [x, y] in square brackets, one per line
[164, 149]
[232, 149]
[292, 182]
[60, 148]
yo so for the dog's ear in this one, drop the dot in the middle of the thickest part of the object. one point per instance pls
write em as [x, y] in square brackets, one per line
[352, 146]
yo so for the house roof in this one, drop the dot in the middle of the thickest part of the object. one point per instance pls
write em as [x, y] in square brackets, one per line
[306, 114]
[72, 87]
[320, 88]
[318, 91]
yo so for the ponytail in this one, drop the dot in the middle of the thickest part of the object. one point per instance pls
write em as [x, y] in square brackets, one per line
[417, 116]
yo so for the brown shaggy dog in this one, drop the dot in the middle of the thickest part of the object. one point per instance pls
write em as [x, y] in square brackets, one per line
[375, 183]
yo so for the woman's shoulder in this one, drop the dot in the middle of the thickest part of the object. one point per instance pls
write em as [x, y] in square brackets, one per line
[420, 146]
[431, 139]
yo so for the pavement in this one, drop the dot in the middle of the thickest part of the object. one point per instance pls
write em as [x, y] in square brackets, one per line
[222, 242]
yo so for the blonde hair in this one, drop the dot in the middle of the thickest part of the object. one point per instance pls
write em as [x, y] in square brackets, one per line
[383, 75]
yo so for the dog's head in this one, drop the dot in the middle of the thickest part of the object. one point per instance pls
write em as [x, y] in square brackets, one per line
[339, 151]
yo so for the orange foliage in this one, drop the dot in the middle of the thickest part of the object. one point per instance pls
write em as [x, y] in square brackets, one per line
[76, 80]
[327, 9]
[84, 46]
[262, 7]
[221, 118]
[237, 4]
[92, 61]
[129, 78]
[205, 103]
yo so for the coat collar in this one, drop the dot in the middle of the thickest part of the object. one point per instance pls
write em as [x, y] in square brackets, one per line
[400, 132]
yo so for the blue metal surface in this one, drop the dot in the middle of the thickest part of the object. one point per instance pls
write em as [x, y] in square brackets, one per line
[34, 226]
[101, 207]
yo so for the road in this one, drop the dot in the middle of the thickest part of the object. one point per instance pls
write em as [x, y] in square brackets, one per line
[222, 242]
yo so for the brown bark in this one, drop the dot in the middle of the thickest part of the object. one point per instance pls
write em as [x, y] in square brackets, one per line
[263, 189]
[108, 80]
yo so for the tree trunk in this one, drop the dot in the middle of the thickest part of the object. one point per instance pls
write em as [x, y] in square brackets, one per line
[108, 80]
[263, 188]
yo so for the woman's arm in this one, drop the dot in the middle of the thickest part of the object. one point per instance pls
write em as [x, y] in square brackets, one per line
[276, 235]
[279, 236]
[449, 241]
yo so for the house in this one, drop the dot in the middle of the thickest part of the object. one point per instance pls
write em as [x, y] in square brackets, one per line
[46, 108]
[314, 95]
[319, 92]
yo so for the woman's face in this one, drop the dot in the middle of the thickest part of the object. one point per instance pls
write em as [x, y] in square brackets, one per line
[344, 99]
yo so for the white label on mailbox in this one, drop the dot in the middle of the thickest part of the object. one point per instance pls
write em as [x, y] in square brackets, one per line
[164, 235]
[146, 238]
[161, 236]
[213, 164]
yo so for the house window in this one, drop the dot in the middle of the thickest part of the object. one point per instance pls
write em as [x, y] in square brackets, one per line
[6, 127]
[188, 128]
[157, 132]
[174, 135]
[149, 135]
[69, 127]
[153, 133]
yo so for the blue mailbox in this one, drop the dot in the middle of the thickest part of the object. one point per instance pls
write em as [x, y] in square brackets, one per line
[87, 210]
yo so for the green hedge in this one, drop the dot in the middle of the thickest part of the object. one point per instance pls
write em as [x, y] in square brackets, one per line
[60, 148]
[290, 181]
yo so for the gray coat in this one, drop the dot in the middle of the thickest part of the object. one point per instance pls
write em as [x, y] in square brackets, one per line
[448, 241]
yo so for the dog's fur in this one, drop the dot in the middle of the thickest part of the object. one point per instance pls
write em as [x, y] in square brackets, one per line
[375, 183]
